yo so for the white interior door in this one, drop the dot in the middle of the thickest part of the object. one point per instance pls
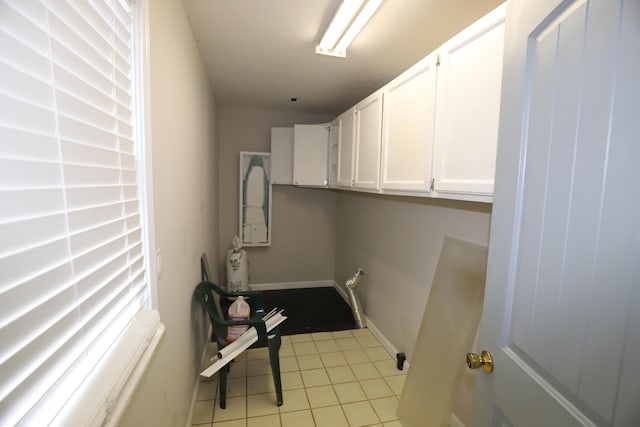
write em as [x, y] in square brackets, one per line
[562, 305]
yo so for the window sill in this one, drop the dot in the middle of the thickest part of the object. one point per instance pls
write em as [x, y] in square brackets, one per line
[107, 391]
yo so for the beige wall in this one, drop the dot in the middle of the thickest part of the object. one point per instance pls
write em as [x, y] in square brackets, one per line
[185, 193]
[303, 219]
[397, 241]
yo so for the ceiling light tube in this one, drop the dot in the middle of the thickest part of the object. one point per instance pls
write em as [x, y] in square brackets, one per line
[340, 22]
[349, 19]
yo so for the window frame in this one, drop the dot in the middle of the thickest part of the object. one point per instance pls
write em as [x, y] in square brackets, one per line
[106, 390]
[146, 329]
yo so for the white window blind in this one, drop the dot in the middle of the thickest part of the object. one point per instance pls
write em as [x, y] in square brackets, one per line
[72, 270]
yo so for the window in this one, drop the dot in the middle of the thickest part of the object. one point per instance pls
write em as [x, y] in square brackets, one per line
[73, 275]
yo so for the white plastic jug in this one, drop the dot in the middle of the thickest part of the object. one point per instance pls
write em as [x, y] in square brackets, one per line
[238, 310]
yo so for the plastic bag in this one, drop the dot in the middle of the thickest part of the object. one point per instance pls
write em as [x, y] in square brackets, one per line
[237, 267]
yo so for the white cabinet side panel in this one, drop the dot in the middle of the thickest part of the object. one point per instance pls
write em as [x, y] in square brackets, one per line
[369, 138]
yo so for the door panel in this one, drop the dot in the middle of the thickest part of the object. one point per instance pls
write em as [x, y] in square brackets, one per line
[408, 129]
[467, 109]
[563, 282]
[310, 150]
[369, 138]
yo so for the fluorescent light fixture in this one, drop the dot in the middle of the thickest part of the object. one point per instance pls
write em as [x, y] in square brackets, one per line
[349, 19]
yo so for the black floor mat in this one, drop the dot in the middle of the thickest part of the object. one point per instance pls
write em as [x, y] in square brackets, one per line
[310, 310]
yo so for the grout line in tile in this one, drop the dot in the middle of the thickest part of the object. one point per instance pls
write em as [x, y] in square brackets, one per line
[347, 344]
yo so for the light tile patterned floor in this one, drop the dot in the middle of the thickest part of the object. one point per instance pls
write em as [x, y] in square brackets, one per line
[329, 379]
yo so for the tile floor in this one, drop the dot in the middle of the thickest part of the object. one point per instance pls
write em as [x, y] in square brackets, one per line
[329, 379]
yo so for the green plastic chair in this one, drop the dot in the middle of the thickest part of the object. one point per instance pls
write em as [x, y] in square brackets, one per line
[208, 295]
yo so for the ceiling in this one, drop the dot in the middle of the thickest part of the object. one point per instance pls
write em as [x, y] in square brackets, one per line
[260, 53]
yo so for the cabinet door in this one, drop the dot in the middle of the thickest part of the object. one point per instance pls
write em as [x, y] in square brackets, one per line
[346, 145]
[282, 156]
[408, 130]
[368, 140]
[467, 110]
[310, 146]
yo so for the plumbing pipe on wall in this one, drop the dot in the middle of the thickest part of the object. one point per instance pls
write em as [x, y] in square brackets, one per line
[354, 300]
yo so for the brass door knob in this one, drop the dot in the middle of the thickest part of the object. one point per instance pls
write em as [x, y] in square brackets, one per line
[475, 361]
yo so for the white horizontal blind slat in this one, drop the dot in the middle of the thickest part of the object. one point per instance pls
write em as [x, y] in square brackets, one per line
[98, 57]
[27, 145]
[28, 60]
[39, 366]
[24, 235]
[71, 253]
[40, 322]
[83, 175]
[78, 109]
[88, 197]
[85, 219]
[36, 289]
[78, 88]
[81, 67]
[30, 202]
[26, 115]
[19, 268]
[80, 153]
[23, 174]
[25, 21]
[74, 130]
[26, 88]
[83, 22]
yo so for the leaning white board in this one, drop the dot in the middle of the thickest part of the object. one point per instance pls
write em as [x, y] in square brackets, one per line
[446, 335]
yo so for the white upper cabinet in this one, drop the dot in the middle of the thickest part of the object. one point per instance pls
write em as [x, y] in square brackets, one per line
[368, 140]
[346, 146]
[282, 156]
[431, 132]
[408, 129]
[310, 155]
[468, 108]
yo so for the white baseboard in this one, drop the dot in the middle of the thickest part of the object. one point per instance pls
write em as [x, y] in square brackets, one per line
[385, 342]
[194, 395]
[373, 329]
[291, 285]
[341, 291]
